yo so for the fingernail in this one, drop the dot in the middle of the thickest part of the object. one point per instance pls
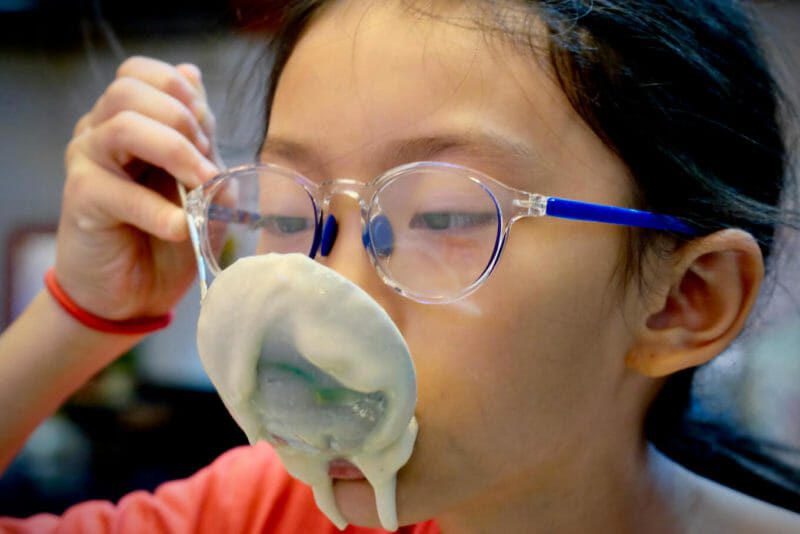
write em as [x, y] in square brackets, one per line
[200, 109]
[198, 74]
[191, 72]
[207, 170]
[178, 222]
[203, 144]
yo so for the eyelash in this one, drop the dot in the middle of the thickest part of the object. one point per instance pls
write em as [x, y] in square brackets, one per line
[464, 220]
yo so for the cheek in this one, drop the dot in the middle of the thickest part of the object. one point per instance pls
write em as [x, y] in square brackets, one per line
[512, 379]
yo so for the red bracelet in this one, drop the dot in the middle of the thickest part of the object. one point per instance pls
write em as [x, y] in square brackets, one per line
[131, 326]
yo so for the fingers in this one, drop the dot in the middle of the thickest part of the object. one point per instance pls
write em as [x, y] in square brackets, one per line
[102, 199]
[129, 136]
[193, 76]
[206, 118]
[132, 94]
[82, 125]
[153, 112]
[183, 82]
[152, 117]
[172, 95]
[166, 78]
[120, 225]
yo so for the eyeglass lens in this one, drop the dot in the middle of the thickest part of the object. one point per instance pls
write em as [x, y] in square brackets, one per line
[432, 232]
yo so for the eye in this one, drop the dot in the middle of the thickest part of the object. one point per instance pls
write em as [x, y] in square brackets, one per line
[283, 224]
[451, 220]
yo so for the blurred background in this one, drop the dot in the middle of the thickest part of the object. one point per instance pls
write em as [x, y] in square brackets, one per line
[153, 415]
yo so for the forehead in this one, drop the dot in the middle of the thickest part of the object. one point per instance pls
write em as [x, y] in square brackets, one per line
[366, 74]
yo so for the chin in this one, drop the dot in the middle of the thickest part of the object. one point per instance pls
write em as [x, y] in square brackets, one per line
[356, 501]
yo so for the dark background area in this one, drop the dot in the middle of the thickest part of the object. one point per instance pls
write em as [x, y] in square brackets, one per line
[63, 23]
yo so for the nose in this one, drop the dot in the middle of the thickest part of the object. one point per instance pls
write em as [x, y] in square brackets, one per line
[343, 241]
[380, 236]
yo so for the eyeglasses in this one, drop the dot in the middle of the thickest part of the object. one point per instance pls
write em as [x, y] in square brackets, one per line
[434, 231]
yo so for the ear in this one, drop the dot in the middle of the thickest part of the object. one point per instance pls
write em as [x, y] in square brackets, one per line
[700, 305]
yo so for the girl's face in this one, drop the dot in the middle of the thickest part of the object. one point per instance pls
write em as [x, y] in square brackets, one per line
[522, 385]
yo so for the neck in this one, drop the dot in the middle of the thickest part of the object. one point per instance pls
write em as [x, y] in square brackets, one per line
[621, 490]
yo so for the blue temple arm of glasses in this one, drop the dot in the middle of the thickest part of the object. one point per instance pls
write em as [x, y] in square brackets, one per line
[585, 211]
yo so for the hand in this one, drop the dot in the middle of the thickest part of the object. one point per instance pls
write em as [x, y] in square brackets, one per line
[122, 246]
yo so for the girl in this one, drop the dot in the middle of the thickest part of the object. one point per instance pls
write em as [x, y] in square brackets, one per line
[540, 384]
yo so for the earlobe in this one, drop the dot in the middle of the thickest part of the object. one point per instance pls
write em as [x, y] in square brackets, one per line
[712, 287]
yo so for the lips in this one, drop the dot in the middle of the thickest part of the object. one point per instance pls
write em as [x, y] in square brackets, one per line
[344, 470]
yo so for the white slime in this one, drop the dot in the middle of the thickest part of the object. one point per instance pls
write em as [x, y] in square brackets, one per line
[305, 359]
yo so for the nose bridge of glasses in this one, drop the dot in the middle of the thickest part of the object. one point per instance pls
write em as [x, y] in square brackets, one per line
[353, 189]
[359, 192]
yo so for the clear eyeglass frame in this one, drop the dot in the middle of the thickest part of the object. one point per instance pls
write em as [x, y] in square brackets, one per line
[511, 205]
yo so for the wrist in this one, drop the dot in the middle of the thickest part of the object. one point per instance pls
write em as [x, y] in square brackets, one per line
[136, 326]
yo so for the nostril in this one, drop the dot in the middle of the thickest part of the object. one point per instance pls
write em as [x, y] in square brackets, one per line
[329, 231]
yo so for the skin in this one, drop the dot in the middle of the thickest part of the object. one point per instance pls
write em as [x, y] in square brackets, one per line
[543, 418]
[550, 343]
[532, 393]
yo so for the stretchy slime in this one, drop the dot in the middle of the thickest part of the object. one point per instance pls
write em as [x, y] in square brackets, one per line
[308, 361]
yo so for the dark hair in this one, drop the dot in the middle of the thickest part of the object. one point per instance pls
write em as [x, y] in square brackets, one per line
[681, 91]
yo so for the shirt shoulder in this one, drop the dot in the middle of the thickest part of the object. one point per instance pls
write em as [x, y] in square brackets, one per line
[288, 506]
[709, 506]
[246, 490]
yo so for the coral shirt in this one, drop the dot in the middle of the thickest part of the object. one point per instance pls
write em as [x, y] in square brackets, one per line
[246, 490]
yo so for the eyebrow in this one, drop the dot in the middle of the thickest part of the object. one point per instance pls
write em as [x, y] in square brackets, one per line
[480, 144]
